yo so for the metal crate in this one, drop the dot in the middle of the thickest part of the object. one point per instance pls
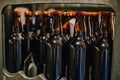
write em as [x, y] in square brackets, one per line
[114, 4]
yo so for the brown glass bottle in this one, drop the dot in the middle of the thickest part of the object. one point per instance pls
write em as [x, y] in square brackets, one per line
[102, 57]
[68, 21]
[36, 49]
[110, 37]
[90, 23]
[28, 35]
[77, 53]
[54, 50]
[49, 26]
[111, 40]
[14, 57]
[38, 23]
[65, 41]
[42, 41]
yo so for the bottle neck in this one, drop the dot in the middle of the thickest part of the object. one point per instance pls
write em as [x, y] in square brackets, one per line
[111, 20]
[28, 23]
[84, 27]
[96, 26]
[38, 22]
[80, 26]
[57, 24]
[16, 24]
[104, 26]
[65, 26]
[51, 27]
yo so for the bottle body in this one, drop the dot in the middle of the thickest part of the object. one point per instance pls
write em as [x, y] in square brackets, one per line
[14, 63]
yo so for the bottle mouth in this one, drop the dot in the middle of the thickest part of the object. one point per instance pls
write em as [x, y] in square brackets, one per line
[70, 13]
[28, 13]
[16, 12]
[47, 13]
[38, 12]
[53, 13]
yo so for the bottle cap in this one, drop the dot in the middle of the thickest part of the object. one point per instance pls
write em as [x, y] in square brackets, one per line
[38, 12]
[70, 13]
[47, 13]
[28, 12]
[16, 12]
[112, 13]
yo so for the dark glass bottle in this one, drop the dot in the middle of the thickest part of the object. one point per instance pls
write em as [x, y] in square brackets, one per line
[102, 57]
[49, 26]
[109, 18]
[65, 41]
[69, 20]
[86, 28]
[110, 39]
[104, 50]
[28, 33]
[36, 42]
[54, 50]
[94, 21]
[14, 62]
[38, 23]
[27, 27]
[83, 16]
[43, 41]
[66, 27]
[77, 54]
[93, 48]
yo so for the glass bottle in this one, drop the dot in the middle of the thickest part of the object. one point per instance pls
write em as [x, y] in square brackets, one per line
[28, 35]
[43, 37]
[108, 18]
[65, 41]
[69, 20]
[54, 50]
[110, 39]
[37, 49]
[104, 49]
[14, 62]
[38, 23]
[77, 54]
[102, 57]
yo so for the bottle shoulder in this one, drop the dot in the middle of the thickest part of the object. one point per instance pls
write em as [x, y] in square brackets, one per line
[79, 42]
[16, 37]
